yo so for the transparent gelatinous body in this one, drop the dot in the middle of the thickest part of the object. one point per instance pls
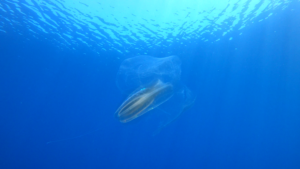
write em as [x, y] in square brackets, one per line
[144, 100]
[150, 83]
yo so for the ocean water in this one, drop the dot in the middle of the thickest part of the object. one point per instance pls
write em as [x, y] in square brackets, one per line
[59, 89]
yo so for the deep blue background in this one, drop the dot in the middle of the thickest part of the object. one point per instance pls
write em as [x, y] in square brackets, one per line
[247, 112]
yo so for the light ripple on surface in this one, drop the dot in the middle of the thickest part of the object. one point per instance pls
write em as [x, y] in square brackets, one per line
[117, 26]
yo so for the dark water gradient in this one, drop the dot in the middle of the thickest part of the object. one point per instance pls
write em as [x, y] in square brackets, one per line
[246, 114]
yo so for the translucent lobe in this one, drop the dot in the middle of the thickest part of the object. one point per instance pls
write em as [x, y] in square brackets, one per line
[141, 71]
[149, 83]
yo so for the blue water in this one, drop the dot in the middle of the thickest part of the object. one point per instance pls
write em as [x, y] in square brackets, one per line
[58, 94]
